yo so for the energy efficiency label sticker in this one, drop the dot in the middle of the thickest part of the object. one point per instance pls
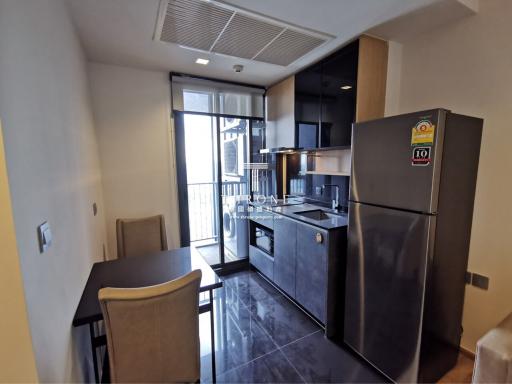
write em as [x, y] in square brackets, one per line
[421, 156]
[423, 133]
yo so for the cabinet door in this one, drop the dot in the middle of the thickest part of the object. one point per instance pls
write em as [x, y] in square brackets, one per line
[339, 83]
[263, 262]
[307, 106]
[285, 239]
[311, 268]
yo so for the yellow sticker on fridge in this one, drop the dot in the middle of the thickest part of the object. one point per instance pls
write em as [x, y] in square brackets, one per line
[423, 133]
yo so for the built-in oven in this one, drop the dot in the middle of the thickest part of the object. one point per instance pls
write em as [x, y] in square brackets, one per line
[262, 238]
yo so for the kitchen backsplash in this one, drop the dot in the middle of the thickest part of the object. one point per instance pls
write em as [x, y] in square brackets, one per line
[309, 185]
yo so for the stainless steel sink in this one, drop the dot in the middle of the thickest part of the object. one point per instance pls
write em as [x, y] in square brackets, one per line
[317, 214]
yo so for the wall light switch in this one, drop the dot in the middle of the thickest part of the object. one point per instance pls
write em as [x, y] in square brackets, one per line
[44, 235]
[480, 281]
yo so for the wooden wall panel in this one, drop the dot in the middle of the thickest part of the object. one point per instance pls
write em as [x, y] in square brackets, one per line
[371, 78]
[281, 114]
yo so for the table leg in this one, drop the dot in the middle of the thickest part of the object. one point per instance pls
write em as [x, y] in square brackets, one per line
[212, 330]
[94, 356]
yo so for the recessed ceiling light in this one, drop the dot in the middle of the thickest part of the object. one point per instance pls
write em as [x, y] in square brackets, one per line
[345, 87]
[202, 61]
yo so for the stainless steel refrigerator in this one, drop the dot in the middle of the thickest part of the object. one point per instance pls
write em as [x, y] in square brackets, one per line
[410, 211]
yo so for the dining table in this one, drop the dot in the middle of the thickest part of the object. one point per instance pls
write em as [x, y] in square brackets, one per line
[142, 271]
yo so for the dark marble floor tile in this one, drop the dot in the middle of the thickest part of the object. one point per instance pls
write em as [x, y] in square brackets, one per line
[238, 337]
[249, 286]
[237, 277]
[319, 360]
[271, 368]
[283, 321]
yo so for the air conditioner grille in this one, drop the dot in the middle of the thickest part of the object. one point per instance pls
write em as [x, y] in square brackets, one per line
[194, 23]
[245, 37]
[288, 47]
[217, 27]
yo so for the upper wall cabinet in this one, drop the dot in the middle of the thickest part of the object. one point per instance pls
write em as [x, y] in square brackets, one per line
[308, 97]
[327, 97]
[338, 99]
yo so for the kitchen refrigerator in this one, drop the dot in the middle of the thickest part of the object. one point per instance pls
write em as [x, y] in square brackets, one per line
[411, 201]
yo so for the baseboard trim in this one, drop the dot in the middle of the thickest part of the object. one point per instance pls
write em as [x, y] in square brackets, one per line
[467, 353]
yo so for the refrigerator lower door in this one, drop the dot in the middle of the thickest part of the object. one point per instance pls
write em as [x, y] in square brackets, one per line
[385, 287]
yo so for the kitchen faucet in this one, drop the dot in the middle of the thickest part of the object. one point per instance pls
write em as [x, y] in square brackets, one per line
[336, 202]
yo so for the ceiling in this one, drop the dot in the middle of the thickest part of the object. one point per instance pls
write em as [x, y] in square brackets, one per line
[121, 32]
[433, 17]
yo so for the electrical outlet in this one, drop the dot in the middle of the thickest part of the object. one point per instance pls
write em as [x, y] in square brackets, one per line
[318, 190]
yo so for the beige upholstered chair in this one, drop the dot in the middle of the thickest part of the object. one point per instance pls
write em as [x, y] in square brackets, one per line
[153, 332]
[136, 237]
[493, 362]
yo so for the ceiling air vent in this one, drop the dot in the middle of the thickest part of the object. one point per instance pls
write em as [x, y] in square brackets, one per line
[288, 47]
[194, 24]
[221, 28]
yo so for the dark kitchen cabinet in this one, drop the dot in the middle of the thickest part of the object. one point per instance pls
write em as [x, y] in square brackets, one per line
[308, 89]
[309, 265]
[312, 270]
[264, 218]
[338, 95]
[262, 261]
[347, 86]
[285, 239]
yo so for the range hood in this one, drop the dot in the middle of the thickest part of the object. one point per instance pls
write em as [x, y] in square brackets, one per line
[280, 150]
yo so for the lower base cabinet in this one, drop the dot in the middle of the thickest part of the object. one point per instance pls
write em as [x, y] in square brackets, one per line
[263, 262]
[308, 265]
[285, 243]
[311, 272]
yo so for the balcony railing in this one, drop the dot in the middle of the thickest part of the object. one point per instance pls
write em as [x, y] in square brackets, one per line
[203, 207]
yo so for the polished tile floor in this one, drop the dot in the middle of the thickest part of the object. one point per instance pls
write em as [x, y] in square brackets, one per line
[211, 253]
[262, 337]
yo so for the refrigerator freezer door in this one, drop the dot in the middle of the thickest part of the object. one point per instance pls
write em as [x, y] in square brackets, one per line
[385, 287]
[382, 162]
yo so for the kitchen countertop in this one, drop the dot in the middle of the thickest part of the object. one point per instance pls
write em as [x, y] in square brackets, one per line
[340, 221]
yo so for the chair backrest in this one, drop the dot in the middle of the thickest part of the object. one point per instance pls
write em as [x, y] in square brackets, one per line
[136, 237]
[153, 332]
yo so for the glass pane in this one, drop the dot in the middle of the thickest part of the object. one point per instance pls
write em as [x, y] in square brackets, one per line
[203, 200]
[234, 137]
[262, 165]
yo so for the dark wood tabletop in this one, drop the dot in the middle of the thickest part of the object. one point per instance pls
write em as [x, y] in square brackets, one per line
[142, 271]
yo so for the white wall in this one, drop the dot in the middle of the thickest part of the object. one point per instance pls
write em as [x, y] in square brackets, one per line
[54, 174]
[467, 67]
[132, 117]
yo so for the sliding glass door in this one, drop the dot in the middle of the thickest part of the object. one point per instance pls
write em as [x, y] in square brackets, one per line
[212, 154]
[201, 164]
[213, 123]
